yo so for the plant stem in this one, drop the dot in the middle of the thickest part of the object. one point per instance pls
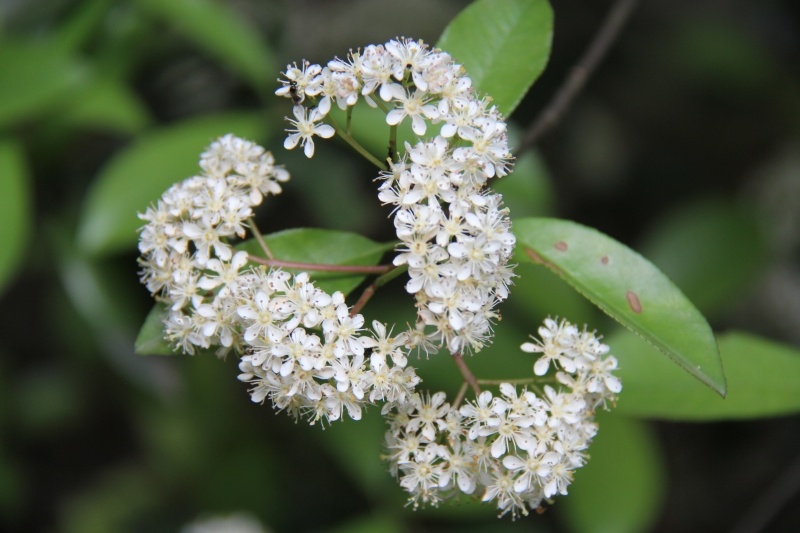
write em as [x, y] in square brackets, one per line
[467, 373]
[260, 238]
[370, 290]
[460, 396]
[574, 82]
[353, 269]
[393, 143]
[355, 145]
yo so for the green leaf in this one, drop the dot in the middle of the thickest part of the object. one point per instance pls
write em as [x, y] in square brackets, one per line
[82, 24]
[326, 247]
[150, 340]
[107, 104]
[222, 32]
[503, 44]
[711, 249]
[621, 487]
[306, 245]
[35, 78]
[15, 215]
[139, 175]
[763, 380]
[628, 288]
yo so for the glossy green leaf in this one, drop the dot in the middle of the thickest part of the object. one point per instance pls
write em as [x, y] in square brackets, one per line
[222, 32]
[503, 44]
[622, 486]
[628, 288]
[323, 246]
[15, 216]
[306, 245]
[139, 175]
[763, 380]
[107, 104]
[34, 78]
[712, 250]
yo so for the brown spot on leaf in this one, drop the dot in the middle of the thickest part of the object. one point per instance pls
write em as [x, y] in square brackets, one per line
[633, 302]
[604, 259]
[561, 246]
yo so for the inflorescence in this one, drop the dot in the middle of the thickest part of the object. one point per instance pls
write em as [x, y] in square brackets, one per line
[311, 354]
[456, 236]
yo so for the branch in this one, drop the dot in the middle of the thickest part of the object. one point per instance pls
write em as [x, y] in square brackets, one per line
[467, 373]
[572, 85]
[370, 290]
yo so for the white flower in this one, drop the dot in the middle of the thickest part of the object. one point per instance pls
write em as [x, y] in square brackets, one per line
[305, 127]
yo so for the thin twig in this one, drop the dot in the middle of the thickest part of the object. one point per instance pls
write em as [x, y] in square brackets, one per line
[355, 145]
[352, 269]
[260, 238]
[467, 373]
[460, 396]
[363, 299]
[572, 85]
[370, 290]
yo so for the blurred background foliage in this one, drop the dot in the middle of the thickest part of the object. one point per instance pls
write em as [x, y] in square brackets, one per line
[685, 146]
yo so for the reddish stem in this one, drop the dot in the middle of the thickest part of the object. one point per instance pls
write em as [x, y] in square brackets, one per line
[467, 373]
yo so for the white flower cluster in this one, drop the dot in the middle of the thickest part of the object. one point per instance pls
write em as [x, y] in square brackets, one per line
[205, 211]
[215, 299]
[519, 448]
[456, 235]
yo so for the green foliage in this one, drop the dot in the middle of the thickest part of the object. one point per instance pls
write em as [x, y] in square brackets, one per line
[708, 236]
[15, 209]
[35, 78]
[621, 487]
[628, 288]
[107, 104]
[214, 27]
[503, 44]
[139, 175]
[763, 378]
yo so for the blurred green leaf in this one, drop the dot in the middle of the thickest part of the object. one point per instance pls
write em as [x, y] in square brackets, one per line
[150, 340]
[628, 288]
[307, 245]
[15, 209]
[763, 380]
[622, 486]
[536, 294]
[73, 33]
[710, 249]
[370, 524]
[217, 28]
[115, 502]
[34, 78]
[107, 104]
[503, 44]
[139, 175]
[527, 191]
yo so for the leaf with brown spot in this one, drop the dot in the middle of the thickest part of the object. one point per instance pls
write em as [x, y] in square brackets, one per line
[628, 288]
